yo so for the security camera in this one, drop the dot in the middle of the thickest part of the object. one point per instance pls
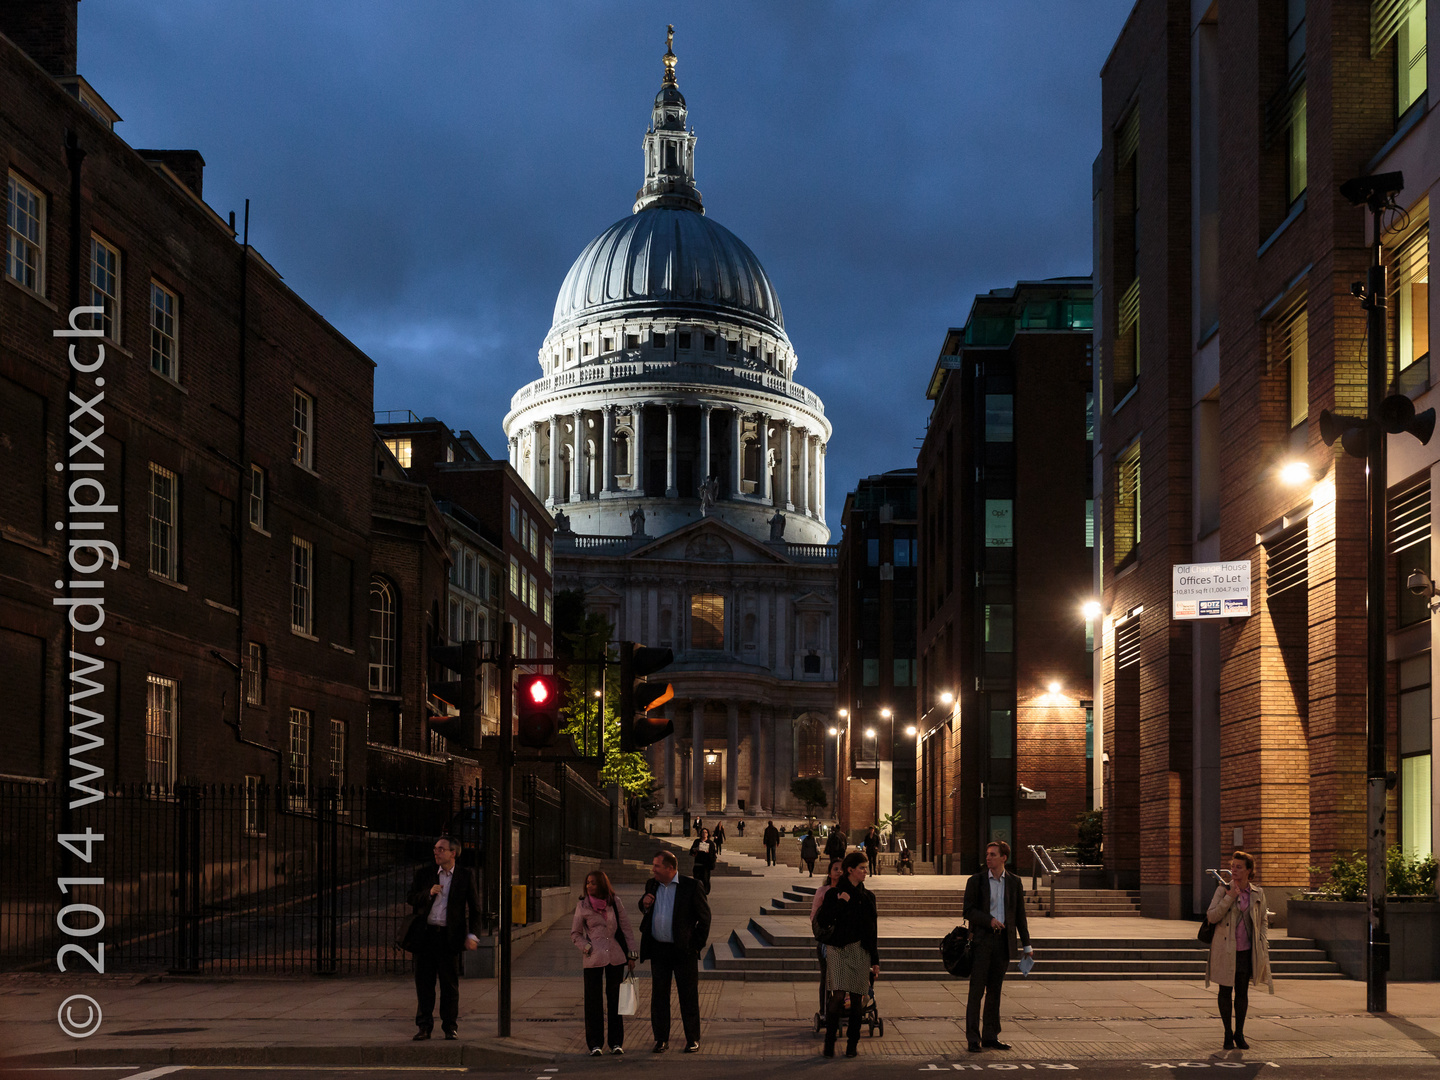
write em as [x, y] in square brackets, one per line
[1420, 584]
[1377, 189]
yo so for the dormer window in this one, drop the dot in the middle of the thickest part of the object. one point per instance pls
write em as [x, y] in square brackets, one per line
[569, 354]
[632, 341]
[658, 340]
[609, 344]
[754, 351]
[770, 358]
[730, 347]
[585, 348]
[709, 342]
[684, 341]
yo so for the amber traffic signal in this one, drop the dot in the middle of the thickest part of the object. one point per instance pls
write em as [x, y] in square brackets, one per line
[637, 696]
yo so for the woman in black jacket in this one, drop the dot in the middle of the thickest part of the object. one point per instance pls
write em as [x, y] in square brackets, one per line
[852, 954]
[704, 851]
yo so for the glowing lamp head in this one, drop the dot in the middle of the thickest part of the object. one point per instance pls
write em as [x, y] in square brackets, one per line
[910, 729]
[844, 712]
[834, 731]
[947, 698]
[1294, 473]
[1090, 609]
[885, 714]
[1054, 687]
[869, 733]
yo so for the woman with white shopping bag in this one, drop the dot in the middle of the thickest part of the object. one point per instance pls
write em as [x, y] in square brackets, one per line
[601, 931]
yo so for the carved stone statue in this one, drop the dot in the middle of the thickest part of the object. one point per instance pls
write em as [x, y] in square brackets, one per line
[709, 492]
[562, 521]
[637, 522]
[777, 526]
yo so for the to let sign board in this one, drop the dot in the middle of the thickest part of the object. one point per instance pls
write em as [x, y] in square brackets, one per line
[1210, 590]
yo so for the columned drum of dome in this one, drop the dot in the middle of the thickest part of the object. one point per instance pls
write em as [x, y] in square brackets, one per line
[667, 378]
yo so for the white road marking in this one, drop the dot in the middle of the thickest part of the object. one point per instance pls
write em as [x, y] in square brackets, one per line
[164, 1070]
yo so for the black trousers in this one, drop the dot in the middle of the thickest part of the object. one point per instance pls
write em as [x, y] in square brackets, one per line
[992, 958]
[666, 963]
[435, 959]
[769, 854]
[604, 980]
[810, 865]
[702, 875]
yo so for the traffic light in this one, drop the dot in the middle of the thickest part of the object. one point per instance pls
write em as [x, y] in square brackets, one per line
[637, 727]
[537, 710]
[462, 694]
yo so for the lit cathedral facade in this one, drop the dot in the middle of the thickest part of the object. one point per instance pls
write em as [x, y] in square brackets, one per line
[685, 467]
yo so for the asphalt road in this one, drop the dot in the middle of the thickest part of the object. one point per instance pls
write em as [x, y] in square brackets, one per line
[1231, 1066]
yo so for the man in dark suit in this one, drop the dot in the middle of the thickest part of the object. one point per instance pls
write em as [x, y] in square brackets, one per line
[995, 907]
[447, 897]
[673, 932]
[771, 836]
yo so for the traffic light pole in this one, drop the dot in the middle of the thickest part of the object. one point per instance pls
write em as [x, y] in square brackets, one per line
[507, 825]
[1377, 953]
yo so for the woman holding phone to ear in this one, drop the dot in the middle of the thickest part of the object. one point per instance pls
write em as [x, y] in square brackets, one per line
[1240, 950]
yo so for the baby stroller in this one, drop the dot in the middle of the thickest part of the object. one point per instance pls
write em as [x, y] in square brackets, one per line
[869, 1012]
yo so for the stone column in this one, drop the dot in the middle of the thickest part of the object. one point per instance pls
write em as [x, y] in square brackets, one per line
[607, 453]
[667, 757]
[785, 500]
[577, 457]
[732, 758]
[759, 771]
[819, 479]
[637, 450]
[697, 758]
[757, 758]
[804, 471]
[705, 442]
[554, 492]
[762, 481]
[737, 461]
[670, 490]
[534, 477]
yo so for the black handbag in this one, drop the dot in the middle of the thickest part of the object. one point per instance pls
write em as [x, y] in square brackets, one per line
[1206, 934]
[957, 952]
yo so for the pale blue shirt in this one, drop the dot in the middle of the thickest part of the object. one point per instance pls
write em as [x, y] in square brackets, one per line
[662, 921]
[997, 897]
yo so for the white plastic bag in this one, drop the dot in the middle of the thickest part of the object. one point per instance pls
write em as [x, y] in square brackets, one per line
[629, 995]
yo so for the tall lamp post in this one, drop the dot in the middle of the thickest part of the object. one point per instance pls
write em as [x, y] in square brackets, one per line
[1366, 437]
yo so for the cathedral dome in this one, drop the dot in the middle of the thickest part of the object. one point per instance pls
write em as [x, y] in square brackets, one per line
[666, 256]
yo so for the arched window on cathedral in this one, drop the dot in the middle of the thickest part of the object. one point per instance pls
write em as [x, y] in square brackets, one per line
[810, 745]
[383, 626]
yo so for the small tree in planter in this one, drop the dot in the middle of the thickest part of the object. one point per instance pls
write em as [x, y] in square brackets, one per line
[809, 790]
[889, 825]
[1404, 876]
[1090, 834]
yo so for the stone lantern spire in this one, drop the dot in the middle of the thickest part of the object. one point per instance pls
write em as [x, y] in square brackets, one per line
[669, 147]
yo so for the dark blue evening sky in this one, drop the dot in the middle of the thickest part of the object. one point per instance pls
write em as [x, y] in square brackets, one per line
[424, 173]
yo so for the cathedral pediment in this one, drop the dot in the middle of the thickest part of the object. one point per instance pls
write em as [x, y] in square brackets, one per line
[709, 540]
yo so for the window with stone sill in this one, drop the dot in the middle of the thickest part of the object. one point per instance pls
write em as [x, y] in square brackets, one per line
[684, 342]
[632, 341]
[25, 235]
[709, 342]
[164, 332]
[105, 286]
[658, 340]
[608, 344]
[707, 621]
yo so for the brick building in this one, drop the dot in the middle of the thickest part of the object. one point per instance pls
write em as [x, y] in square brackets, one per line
[224, 433]
[504, 520]
[876, 684]
[1003, 695]
[1224, 325]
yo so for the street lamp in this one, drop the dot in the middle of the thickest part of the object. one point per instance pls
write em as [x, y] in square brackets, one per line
[1295, 473]
[911, 730]
[1090, 609]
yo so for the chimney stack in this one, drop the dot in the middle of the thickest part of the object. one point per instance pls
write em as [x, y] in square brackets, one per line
[187, 165]
[45, 30]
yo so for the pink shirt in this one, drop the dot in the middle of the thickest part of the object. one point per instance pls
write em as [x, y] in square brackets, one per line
[1242, 924]
[819, 899]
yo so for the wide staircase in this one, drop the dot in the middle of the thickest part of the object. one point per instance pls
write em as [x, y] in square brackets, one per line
[778, 949]
[788, 853]
[637, 849]
[1082, 903]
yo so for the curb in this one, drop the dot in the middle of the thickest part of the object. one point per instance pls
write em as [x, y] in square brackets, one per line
[489, 1052]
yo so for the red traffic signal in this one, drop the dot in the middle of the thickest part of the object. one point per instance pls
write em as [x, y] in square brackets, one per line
[537, 710]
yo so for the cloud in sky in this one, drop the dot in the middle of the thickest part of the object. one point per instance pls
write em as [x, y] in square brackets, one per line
[423, 173]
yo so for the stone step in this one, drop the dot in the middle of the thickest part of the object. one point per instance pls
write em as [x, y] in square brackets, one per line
[769, 950]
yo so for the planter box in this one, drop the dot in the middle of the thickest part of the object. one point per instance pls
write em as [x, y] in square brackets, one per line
[1341, 929]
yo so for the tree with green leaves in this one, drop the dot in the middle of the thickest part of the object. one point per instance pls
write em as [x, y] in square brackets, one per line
[585, 636]
[809, 790]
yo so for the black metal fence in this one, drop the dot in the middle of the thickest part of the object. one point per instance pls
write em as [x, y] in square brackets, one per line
[215, 878]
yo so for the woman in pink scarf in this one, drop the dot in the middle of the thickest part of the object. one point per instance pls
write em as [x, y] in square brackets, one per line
[601, 931]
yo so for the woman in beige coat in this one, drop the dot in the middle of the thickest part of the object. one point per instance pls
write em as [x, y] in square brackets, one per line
[1240, 950]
